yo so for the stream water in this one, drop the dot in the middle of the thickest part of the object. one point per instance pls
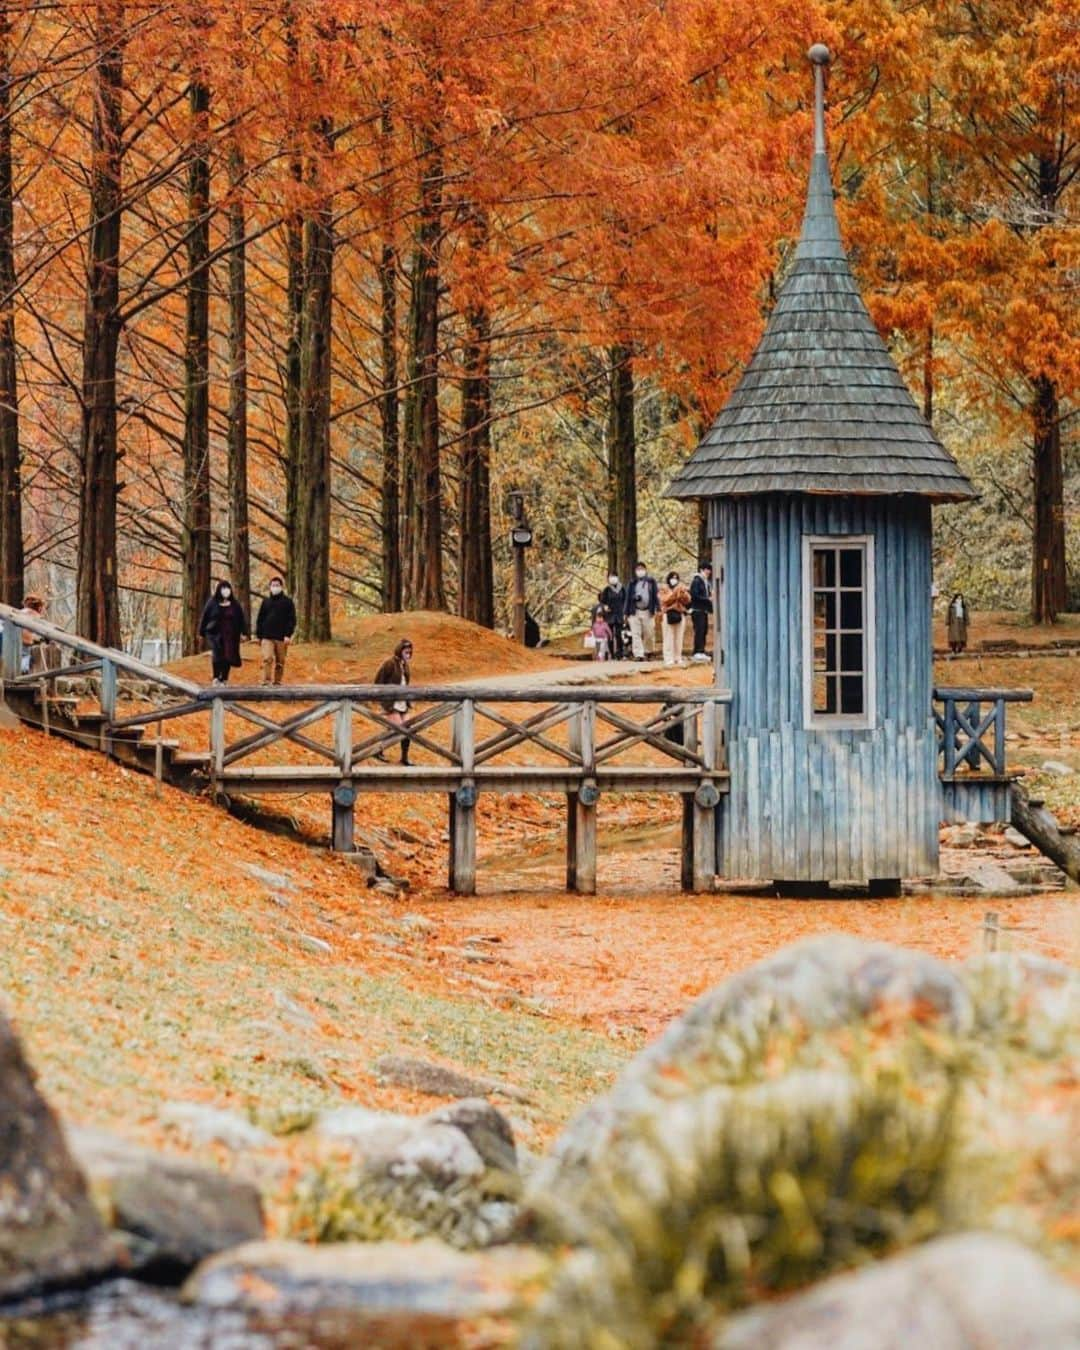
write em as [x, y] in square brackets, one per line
[125, 1315]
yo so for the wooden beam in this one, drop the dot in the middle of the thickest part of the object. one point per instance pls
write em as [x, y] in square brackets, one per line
[462, 860]
[454, 693]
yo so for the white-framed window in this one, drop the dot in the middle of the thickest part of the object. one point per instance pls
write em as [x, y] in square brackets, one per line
[838, 630]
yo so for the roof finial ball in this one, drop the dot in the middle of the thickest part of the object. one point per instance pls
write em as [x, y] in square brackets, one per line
[820, 56]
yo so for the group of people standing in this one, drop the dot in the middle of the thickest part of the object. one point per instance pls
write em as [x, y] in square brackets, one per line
[624, 621]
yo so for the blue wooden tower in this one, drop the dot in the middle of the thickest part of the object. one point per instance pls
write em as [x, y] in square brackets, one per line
[819, 476]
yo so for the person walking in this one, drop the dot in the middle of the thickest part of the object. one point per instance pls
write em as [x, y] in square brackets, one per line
[701, 606]
[602, 634]
[224, 626]
[959, 617]
[642, 607]
[274, 629]
[674, 603]
[395, 670]
[613, 599]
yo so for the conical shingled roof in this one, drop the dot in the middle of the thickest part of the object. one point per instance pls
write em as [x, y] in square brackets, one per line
[821, 407]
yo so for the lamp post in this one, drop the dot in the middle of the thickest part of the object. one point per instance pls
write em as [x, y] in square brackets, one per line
[520, 539]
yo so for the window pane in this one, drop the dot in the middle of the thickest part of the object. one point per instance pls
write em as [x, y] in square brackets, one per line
[825, 607]
[851, 694]
[851, 609]
[851, 567]
[824, 567]
[824, 693]
[830, 652]
[851, 652]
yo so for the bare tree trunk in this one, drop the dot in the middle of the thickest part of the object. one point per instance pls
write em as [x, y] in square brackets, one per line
[311, 564]
[97, 593]
[237, 433]
[622, 463]
[196, 534]
[1048, 551]
[388, 401]
[11, 538]
[294, 305]
[423, 476]
[476, 586]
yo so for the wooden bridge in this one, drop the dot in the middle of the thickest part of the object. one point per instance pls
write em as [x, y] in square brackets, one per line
[578, 741]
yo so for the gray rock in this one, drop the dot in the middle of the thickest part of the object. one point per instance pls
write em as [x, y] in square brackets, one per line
[991, 879]
[314, 944]
[209, 1125]
[439, 1081]
[50, 1232]
[169, 1214]
[277, 881]
[961, 836]
[393, 1294]
[1055, 768]
[418, 923]
[1013, 836]
[364, 861]
[487, 1129]
[440, 1153]
[977, 1289]
[369, 1131]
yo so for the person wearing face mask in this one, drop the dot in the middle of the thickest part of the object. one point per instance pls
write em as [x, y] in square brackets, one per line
[613, 600]
[274, 629]
[675, 602]
[642, 607]
[224, 626]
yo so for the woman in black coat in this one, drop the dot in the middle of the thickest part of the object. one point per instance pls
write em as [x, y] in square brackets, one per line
[224, 625]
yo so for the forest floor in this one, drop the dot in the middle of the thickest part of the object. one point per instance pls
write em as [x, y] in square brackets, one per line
[145, 961]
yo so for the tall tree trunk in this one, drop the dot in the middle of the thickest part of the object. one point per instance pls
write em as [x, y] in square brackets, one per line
[476, 587]
[97, 592]
[11, 538]
[294, 305]
[196, 534]
[388, 400]
[237, 435]
[423, 475]
[622, 463]
[311, 563]
[1048, 552]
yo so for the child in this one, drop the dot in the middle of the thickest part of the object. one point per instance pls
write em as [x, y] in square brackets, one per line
[601, 631]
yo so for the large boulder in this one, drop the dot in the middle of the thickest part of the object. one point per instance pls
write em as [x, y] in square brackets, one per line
[390, 1294]
[168, 1215]
[730, 1034]
[50, 1233]
[836, 1102]
[977, 1289]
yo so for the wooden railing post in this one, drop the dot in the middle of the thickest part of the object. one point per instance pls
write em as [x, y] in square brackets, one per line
[581, 805]
[217, 737]
[11, 651]
[949, 736]
[462, 804]
[689, 818]
[343, 736]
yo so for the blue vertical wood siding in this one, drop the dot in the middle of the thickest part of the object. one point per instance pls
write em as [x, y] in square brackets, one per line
[819, 804]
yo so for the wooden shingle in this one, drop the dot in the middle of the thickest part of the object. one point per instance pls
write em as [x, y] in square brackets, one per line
[821, 407]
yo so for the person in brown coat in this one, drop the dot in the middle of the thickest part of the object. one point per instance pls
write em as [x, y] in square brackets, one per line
[395, 670]
[674, 603]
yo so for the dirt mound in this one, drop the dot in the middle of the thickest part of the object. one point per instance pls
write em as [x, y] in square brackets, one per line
[447, 648]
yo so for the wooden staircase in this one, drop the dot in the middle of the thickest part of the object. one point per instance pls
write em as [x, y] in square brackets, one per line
[59, 714]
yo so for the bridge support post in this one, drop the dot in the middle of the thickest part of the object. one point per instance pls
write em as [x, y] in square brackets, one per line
[342, 826]
[581, 840]
[462, 878]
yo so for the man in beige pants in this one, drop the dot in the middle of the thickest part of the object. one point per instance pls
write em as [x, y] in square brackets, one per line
[274, 629]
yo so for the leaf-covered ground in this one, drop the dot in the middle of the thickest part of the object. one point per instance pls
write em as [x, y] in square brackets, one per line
[144, 963]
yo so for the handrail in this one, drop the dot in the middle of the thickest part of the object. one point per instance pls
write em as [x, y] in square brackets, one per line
[452, 693]
[121, 660]
[963, 694]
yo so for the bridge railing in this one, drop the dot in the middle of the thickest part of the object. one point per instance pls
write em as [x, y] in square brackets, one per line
[971, 729]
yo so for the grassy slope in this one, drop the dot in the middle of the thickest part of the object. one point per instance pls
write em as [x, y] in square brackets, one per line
[143, 963]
